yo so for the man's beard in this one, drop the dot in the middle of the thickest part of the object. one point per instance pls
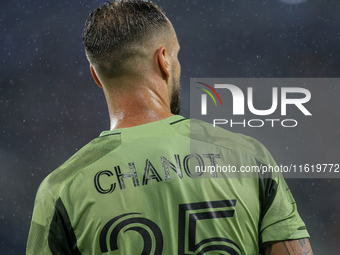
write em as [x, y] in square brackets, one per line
[175, 101]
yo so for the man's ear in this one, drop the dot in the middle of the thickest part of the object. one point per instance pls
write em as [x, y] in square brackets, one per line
[95, 77]
[163, 62]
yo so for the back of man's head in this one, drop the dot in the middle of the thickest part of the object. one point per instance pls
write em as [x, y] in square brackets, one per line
[118, 35]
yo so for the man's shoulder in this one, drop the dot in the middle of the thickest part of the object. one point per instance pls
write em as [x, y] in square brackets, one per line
[51, 188]
[205, 132]
[87, 155]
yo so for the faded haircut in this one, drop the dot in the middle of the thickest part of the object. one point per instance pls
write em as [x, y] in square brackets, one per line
[115, 32]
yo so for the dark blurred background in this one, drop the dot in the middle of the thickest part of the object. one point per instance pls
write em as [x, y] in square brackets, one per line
[50, 107]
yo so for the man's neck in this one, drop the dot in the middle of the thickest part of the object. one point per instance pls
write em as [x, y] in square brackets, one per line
[136, 120]
[136, 107]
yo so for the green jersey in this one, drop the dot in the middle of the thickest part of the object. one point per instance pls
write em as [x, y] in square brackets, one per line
[145, 190]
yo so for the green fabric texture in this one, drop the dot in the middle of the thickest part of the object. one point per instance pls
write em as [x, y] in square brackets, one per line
[137, 190]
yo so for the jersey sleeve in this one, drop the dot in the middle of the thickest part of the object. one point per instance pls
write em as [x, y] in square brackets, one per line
[51, 231]
[43, 211]
[280, 219]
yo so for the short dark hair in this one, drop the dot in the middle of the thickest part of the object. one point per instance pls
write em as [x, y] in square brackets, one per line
[116, 25]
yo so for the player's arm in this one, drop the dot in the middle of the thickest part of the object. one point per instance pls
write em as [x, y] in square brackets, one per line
[288, 247]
